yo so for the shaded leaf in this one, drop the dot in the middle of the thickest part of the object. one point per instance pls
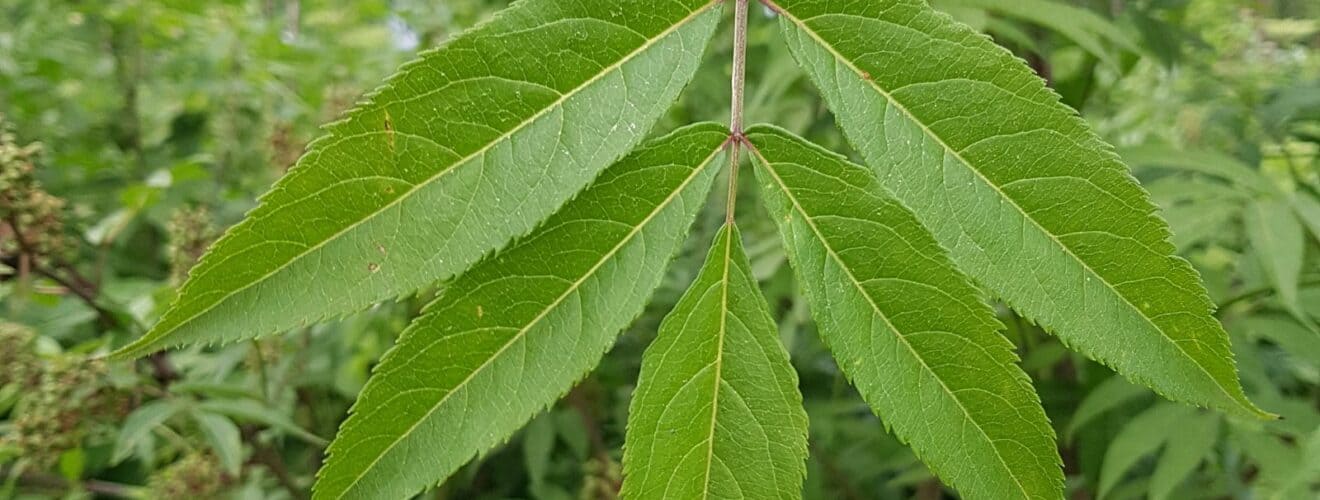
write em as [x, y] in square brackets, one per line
[246, 409]
[1028, 200]
[434, 169]
[1142, 436]
[510, 336]
[224, 438]
[717, 413]
[1190, 442]
[1087, 29]
[1110, 394]
[906, 327]
[1308, 212]
[1279, 245]
[139, 425]
[1218, 165]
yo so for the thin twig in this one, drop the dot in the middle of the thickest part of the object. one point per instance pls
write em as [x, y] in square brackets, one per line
[89, 292]
[44, 481]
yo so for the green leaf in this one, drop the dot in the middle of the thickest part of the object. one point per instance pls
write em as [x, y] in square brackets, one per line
[1110, 394]
[1288, 335]
[1209, 163]
[225, 439]
[246, 409]
[1087, 29]
[1279, 244]
[906, 327]
[1193, 223]
[462, 150]
[717, 413]
[1142, 436]
[1284, 471]
[1308, 211]
[538, 445]
[1029, 202]
[1190, 441]
[511, 335]
[139, 425]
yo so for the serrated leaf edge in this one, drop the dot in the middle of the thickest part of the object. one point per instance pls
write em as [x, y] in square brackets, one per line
[1245, 406]
[764, 163]
[696, 172]
[151, 340]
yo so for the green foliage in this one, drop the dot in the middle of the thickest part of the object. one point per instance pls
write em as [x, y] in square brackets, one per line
[1032, 205]
[906, 327]
[563, 282]
[520, 328]
[440, 141]
[717, 411]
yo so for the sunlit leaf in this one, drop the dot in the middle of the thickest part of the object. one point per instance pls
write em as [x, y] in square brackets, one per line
[717, 413]
[462, 150]
[1028, 200]
[905, 326]
[510, 336]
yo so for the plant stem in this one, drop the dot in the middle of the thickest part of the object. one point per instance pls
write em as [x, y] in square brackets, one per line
[736, 110]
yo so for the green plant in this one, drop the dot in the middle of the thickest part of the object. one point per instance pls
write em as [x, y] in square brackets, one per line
[492, 165]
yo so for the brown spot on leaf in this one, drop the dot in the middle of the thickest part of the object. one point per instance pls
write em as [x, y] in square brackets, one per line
[389, 130]
[480, 312]
[373, 267]
[866, 76]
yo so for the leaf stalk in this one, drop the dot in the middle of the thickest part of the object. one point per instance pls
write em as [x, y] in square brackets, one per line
[736, 110]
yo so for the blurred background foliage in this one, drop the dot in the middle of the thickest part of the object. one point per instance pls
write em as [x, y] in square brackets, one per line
[134, 131]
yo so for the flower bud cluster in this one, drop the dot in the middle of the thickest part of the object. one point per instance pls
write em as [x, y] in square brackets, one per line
[58, 413]
[197, 476]
[37, 215]
[190, 231]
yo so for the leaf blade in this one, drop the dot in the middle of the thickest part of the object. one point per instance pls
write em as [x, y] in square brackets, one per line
[1280, 245]
[1142, 435]
[452, 140]
[573, 283]
[1189, 443]
[908, 329]
[1029, 202]
[722, 420]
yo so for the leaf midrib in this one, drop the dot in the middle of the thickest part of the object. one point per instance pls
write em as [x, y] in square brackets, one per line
[719, 361]
[558, 103]
[769, 168]
[1026, 215]
[573, 287]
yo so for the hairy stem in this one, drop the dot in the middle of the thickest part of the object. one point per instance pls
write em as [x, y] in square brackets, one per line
[736, 110]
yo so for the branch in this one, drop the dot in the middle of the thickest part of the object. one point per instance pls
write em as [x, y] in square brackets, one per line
[45, 481]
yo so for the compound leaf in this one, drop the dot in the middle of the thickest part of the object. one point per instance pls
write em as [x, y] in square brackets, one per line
[1028, 200]
[462, 150]
[906, 327]
[717, 413]
[515, 332]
